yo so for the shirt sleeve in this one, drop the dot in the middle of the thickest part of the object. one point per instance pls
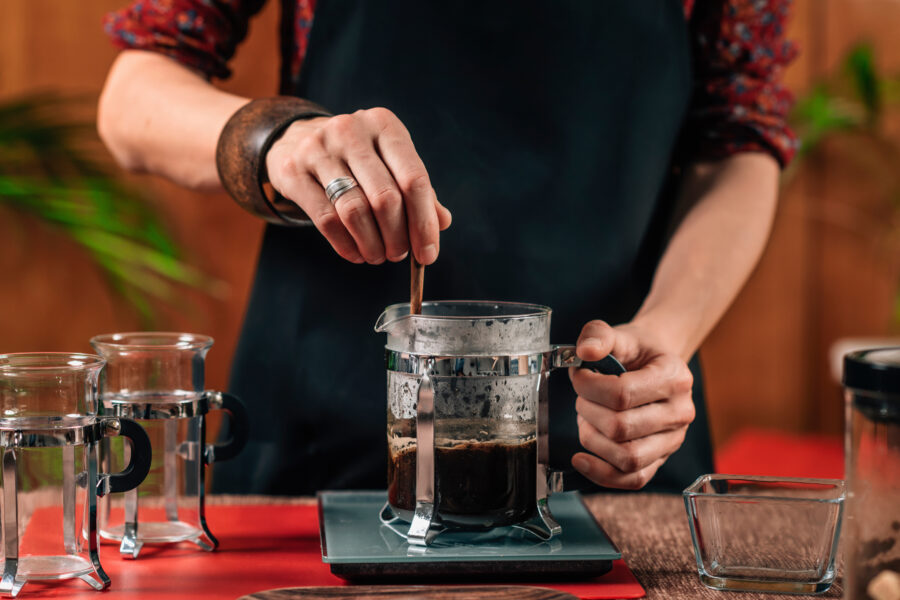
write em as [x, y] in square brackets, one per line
[201, 34]
[739, 103]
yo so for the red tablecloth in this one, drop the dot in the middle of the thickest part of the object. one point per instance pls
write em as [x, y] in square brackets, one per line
[764, 452]
[262, 547]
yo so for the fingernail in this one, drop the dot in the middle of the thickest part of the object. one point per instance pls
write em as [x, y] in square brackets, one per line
[429, 254]
[580, 463]
[580, 419]
[357, 259]
[378, 261]
[400, 257]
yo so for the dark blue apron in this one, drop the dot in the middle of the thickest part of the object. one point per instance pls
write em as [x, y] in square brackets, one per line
[548, 130]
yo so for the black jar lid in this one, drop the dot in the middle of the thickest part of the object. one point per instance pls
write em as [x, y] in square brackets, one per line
[874, 370]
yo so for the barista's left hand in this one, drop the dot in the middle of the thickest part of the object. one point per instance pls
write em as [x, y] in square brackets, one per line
[631, 423]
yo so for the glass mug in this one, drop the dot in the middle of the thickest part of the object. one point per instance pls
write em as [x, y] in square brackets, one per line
[157, 379]
[467, 422]
[49, 438]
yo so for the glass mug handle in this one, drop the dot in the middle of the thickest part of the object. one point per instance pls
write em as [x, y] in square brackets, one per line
[139, 465]
[239, 425]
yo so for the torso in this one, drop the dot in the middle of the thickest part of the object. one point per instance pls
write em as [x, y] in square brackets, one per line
[547, 132]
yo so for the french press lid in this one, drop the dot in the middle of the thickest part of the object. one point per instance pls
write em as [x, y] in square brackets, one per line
[876, 370]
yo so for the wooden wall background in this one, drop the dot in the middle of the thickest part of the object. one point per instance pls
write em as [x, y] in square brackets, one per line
[766, 363]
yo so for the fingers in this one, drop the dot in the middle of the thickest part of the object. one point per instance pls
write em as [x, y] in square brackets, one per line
[300, 166]
[603, 473]
[663, 376]
[394, 208]
[633, 455]
[323, 215]
[396, 149]
[630, 465]
[385, 201]
[623, 426]
[353, 208]
[631, 423]
[348, 137]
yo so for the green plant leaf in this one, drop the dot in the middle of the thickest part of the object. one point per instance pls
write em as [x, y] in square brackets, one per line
[46, 172]
[820, 114]
[860, 65]
[850, 105]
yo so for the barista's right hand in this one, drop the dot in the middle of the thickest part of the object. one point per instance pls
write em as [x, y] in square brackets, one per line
[394, 208]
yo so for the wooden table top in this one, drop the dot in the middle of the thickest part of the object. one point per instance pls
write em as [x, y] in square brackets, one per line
[652, 532]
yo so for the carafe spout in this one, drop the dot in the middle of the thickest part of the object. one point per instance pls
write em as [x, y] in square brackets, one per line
[392, 315]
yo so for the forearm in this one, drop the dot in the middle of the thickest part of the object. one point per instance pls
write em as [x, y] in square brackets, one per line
[730, 208]
[160, 117]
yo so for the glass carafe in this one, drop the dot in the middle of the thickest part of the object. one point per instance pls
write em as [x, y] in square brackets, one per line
[157, 378]
[467, 415]
[872, 448]
[49, 440]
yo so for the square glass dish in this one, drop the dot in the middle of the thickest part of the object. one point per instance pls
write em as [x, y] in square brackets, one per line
[765, 534]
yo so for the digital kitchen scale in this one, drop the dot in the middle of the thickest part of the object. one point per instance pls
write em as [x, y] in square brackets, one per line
[358, 546]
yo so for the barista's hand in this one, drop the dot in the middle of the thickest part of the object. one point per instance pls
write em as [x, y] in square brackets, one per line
[630, 423]
[393, 209]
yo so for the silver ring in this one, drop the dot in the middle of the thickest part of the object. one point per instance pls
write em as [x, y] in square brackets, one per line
[338, 187]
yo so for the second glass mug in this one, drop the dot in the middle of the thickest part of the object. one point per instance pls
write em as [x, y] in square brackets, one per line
[157, 379]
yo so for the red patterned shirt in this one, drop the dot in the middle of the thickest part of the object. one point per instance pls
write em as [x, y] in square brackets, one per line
[738, 49]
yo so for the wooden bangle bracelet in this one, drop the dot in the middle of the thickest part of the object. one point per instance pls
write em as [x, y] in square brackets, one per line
[241, 154]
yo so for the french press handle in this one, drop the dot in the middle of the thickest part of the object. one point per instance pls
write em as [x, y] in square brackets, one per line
[139, 465]
[239, 425]
[564, 356]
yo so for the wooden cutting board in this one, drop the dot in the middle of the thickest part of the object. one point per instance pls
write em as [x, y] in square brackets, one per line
[423, 592]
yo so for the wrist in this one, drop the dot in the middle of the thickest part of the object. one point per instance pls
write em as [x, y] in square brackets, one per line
[278, 160]
[242, 149]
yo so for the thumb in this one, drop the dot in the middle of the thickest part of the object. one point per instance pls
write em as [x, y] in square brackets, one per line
[597, 339]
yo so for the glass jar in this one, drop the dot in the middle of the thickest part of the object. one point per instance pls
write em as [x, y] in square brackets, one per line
[872, 447]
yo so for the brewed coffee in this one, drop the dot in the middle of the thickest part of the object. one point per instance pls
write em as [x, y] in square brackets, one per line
[479, 484]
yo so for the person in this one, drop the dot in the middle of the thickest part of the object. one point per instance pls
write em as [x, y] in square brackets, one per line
[616, 161]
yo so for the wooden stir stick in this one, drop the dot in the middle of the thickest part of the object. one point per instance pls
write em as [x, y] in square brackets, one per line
[416, 281]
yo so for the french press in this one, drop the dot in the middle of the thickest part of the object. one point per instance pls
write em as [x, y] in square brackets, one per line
[157, 378]
[49, 440]
[467, 422]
